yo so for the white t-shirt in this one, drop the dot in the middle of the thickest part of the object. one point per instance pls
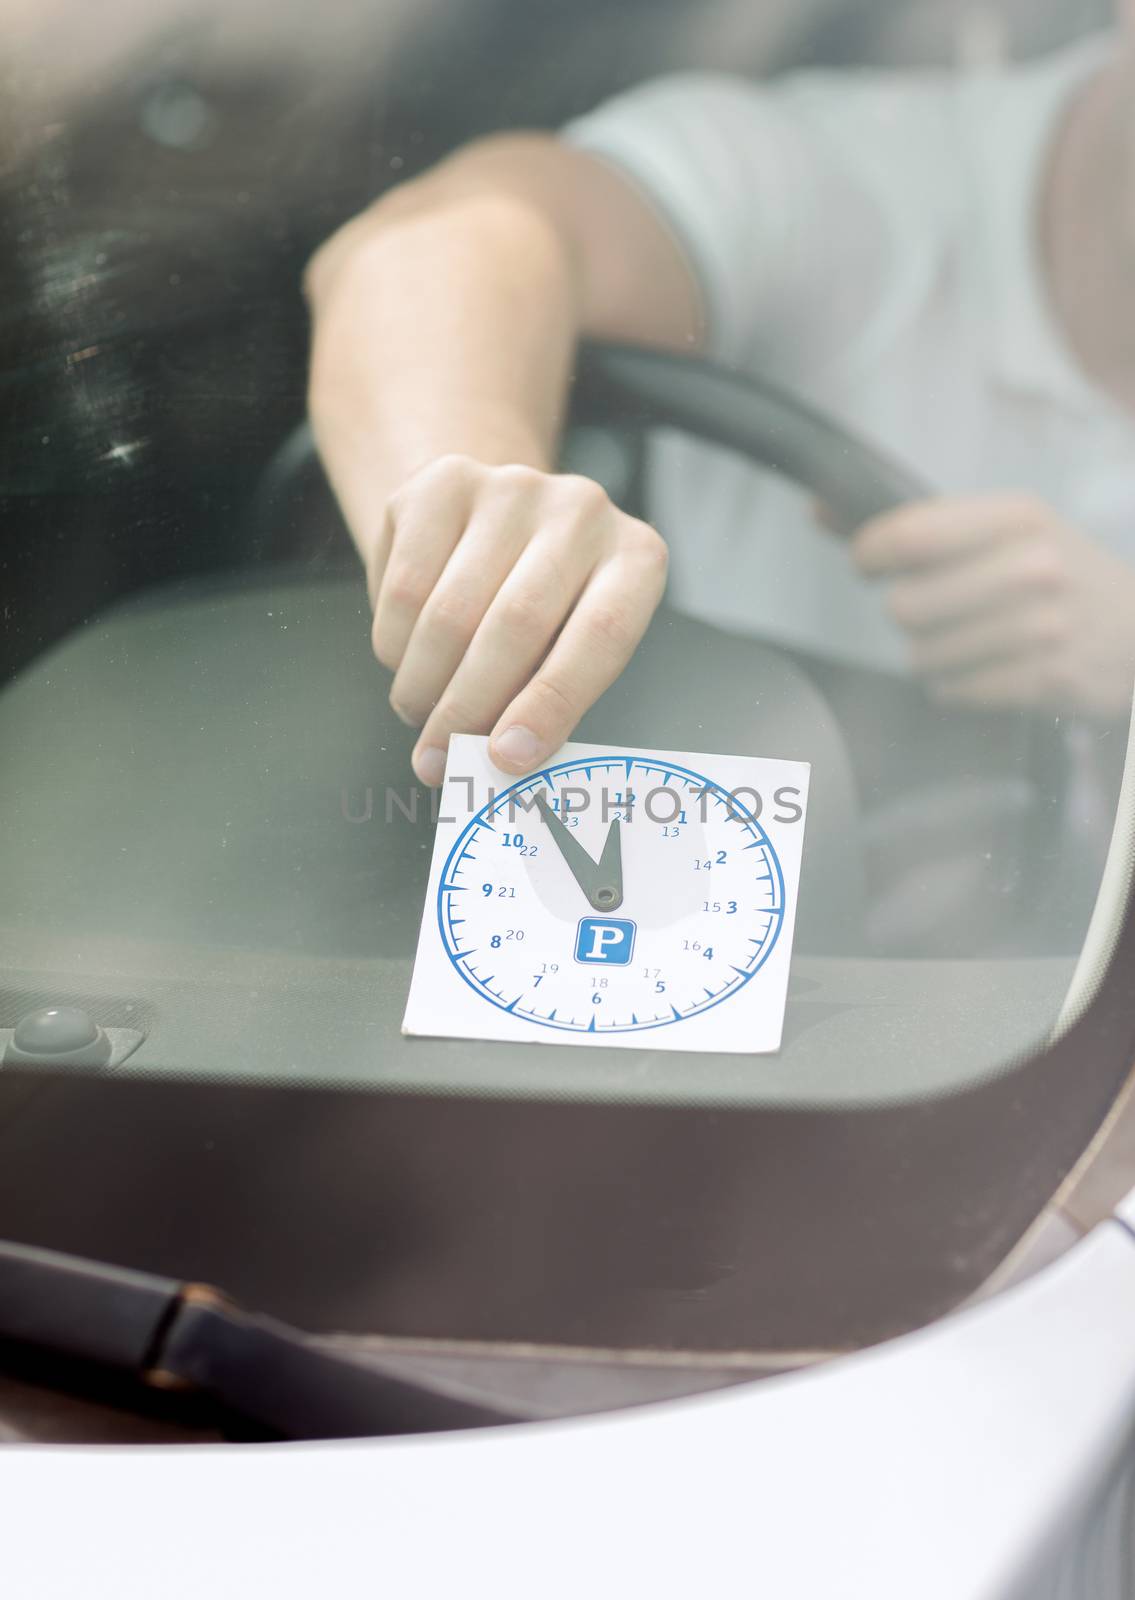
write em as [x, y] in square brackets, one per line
[868, 240]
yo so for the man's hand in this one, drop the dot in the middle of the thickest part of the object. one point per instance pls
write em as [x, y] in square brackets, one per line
[506, 600]
[445, 321]
[1006, 604]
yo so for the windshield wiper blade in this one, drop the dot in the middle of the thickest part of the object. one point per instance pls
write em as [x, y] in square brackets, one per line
[188, 1338]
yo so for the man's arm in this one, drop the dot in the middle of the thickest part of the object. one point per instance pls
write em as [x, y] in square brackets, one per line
[445, 320]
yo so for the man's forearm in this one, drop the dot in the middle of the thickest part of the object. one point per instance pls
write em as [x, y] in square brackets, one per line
[506, 596]
[445, 326]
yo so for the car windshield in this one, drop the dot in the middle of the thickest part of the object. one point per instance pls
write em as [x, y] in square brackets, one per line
[882, 435]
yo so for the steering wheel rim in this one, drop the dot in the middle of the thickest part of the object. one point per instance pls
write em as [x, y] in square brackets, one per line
[635, 387]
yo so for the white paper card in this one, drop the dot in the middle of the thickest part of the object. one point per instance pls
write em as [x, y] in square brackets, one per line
[618, 897]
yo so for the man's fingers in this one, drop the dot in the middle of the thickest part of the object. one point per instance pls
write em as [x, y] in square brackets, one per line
[1013, 571]
[454, 614]
[514, 637]
[933, 531]
[476, 570]
[1021, 683]
[990, 637]
[597, 641]
[420, 537]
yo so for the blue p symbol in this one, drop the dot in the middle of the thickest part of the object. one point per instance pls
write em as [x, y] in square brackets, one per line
[605, 939]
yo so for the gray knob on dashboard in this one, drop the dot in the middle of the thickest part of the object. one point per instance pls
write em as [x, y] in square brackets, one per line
[62, 1034]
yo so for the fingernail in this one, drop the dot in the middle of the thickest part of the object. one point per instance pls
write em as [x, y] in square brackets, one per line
[517, 747]
[429, 764]
[404, 716]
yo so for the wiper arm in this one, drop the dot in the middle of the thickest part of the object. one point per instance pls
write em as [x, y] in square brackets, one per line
[188, 1338]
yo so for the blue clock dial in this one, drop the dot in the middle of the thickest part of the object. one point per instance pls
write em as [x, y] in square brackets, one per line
[611, 895]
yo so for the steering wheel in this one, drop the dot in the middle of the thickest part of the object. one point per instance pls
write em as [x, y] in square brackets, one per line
[639, 388]
[633, 388]
[986, 813]
[923, 855]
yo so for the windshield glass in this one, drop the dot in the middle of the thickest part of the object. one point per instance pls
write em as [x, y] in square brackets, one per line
[236, 651]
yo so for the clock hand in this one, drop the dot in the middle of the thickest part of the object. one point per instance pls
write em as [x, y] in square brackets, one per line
[579, 862]
[602, 881]
[608, 891]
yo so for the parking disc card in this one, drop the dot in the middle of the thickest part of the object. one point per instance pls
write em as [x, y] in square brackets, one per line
[641, 898]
